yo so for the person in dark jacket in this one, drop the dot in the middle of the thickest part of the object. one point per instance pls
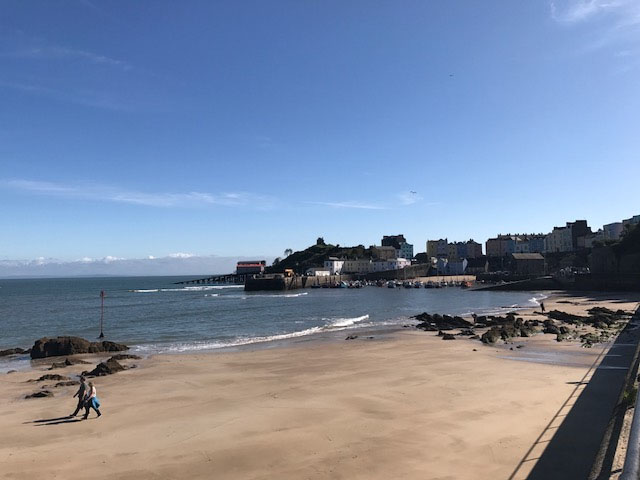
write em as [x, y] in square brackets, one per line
[82, 389]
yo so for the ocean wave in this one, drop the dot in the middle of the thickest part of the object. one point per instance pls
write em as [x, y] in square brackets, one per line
[345, 322]
[270, 295]
[536, 299]
[151, 290]
[213, 345]
[200, 288]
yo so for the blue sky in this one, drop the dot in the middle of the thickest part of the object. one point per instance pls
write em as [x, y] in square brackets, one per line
[131, 129]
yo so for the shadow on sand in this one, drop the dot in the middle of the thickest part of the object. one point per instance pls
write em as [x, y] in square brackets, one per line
[54, 421]
[589, 421]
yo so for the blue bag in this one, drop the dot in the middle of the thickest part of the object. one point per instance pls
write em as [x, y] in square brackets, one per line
[95, 403]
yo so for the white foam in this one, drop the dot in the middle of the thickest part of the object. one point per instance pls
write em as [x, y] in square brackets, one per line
[197, 346]
[276, 295]
[200, 288]
[211, 294]
[152, 290]
[345, 322]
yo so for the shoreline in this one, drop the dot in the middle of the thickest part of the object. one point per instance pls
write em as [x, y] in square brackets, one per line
[404, 404]
[359, 326]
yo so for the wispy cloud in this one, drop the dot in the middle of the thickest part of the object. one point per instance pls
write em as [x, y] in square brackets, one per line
[356, 205]
[85, 97]
[56, 52]
[614, 21]
[161, 200]
[409, 198]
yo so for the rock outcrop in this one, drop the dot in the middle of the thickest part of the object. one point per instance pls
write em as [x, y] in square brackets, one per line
[51, 376]
[59, 346]
[40, 394]
[13, 351]
[108, 367]
[127, 356]
[436, 322]
[509, 329]
[67, 363]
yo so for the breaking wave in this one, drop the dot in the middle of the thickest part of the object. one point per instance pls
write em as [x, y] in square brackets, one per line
[346, 322]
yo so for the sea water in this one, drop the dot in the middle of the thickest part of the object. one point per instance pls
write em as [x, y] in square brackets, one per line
[155, 314]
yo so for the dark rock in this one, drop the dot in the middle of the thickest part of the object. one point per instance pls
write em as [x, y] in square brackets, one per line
[491, 336]
[127, 356]
[11, 371]
[520, 346]
[67, 362]
[106, 368]
[67, 383]
[50, 376]
[475, 337]
[448, 336]
[435, 322]
[565, 317]
[12, 351]
[467, 332]
[350, 337]
[550, 327]
[40, 394]
[53, 347]
[475, 349]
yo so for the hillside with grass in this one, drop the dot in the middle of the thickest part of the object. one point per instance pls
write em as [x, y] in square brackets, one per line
[315, 255]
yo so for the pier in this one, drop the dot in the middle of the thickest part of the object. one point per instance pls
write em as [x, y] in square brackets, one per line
[230, 278]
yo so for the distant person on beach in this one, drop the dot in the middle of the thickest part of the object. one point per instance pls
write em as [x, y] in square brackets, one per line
[81, 393]
[542, 306]
[91, 401]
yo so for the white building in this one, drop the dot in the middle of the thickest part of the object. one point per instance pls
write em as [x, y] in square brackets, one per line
[613, 231]
[334, 265]
[559, 240]
[318, 272]
[405, 251]
[357, 266]
[367, 266]
[392, 264]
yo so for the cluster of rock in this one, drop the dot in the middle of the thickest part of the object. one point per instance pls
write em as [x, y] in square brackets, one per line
[59, 346]
[66, 363]
[509, 326]
[599, 317]
[505, 328]
[437, 322]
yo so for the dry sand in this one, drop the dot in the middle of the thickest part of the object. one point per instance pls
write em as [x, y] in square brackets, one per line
[401, 406]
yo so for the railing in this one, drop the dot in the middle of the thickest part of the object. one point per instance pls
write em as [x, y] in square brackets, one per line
[631, 469]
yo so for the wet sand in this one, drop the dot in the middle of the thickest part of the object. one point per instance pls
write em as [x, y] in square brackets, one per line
[401, 405]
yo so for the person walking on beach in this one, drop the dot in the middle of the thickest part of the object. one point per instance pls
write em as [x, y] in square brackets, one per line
[82, 389]
[542, 306]
[91, 401]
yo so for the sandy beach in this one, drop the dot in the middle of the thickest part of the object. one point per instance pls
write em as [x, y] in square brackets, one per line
[404, 405]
